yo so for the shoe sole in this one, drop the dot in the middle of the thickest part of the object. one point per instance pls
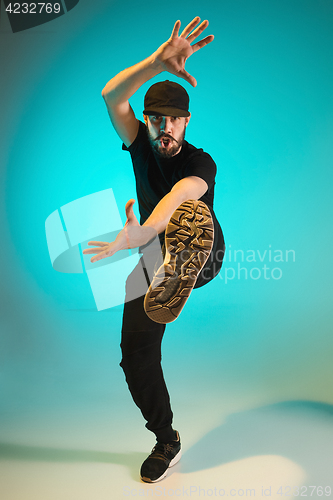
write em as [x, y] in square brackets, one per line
[189, 239]
[171, 464]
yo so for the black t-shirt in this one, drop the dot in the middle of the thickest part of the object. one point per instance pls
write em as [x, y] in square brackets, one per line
[155, 176]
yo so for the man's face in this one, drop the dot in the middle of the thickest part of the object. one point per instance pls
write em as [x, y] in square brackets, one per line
[166, 133]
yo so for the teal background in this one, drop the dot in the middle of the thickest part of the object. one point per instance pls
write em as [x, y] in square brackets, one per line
[263, 109]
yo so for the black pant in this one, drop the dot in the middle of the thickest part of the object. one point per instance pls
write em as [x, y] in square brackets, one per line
[142, 338]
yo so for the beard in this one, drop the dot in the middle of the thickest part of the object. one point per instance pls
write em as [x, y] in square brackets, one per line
[166, 152]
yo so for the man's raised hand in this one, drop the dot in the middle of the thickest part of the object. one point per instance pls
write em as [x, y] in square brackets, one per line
[173, 54]
[131, 236]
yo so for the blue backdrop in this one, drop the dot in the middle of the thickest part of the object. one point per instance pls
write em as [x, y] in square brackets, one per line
[262, 330]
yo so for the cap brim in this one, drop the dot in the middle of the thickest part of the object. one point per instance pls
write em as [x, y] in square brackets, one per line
[167, 111]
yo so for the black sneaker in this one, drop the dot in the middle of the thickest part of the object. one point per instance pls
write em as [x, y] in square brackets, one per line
[189, 239]
[163, 456]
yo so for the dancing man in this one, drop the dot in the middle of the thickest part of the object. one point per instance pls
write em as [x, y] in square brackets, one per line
[175, 191]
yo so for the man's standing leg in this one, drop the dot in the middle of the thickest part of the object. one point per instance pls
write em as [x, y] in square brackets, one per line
[141, 362]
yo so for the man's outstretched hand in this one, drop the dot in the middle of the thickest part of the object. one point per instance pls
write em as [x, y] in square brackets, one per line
[131, 236]
[172, 54]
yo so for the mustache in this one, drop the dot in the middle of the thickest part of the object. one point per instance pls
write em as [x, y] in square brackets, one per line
[166, 136]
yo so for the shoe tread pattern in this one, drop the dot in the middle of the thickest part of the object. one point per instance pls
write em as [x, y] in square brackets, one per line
[188, 239]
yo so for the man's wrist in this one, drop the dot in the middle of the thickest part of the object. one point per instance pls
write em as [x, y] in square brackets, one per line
[155, 64]
[157, 58]
[149, 232]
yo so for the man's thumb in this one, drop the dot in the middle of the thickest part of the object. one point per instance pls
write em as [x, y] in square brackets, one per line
[189, 78]
[129, 211]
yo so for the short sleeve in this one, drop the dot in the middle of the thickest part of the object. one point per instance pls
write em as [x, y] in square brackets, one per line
[201, 165]
[140, 140]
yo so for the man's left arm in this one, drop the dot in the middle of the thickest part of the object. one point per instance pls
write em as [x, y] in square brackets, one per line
[133, 235]
[188, 188]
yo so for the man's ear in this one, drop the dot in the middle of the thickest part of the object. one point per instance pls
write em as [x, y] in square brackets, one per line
[187, 119]
[145, 117]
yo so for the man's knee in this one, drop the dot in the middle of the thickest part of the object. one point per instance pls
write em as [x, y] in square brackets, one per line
[137, 355]
[141, 367]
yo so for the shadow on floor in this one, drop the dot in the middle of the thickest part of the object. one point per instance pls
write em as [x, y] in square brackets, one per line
[301, 431]
[35, 453]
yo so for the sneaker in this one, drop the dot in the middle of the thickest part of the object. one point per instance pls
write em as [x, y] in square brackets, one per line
[163, 456]
[189, 239]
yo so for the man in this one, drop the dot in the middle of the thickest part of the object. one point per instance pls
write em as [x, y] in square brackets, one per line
[175, 189]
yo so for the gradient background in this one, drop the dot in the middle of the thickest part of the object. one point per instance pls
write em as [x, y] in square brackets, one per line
[249, 362]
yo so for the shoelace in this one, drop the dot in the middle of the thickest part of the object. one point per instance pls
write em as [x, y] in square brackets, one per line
[160, 450]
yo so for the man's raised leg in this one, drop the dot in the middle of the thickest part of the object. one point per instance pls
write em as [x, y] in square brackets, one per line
[189, 238]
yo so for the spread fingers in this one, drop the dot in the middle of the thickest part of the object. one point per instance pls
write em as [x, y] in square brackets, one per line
[190, 27]
[197, 31]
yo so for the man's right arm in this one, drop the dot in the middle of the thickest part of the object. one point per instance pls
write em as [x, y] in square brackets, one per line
[117, 92]
[170, 56]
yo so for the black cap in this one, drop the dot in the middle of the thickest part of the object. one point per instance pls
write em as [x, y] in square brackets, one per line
[166, 99]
